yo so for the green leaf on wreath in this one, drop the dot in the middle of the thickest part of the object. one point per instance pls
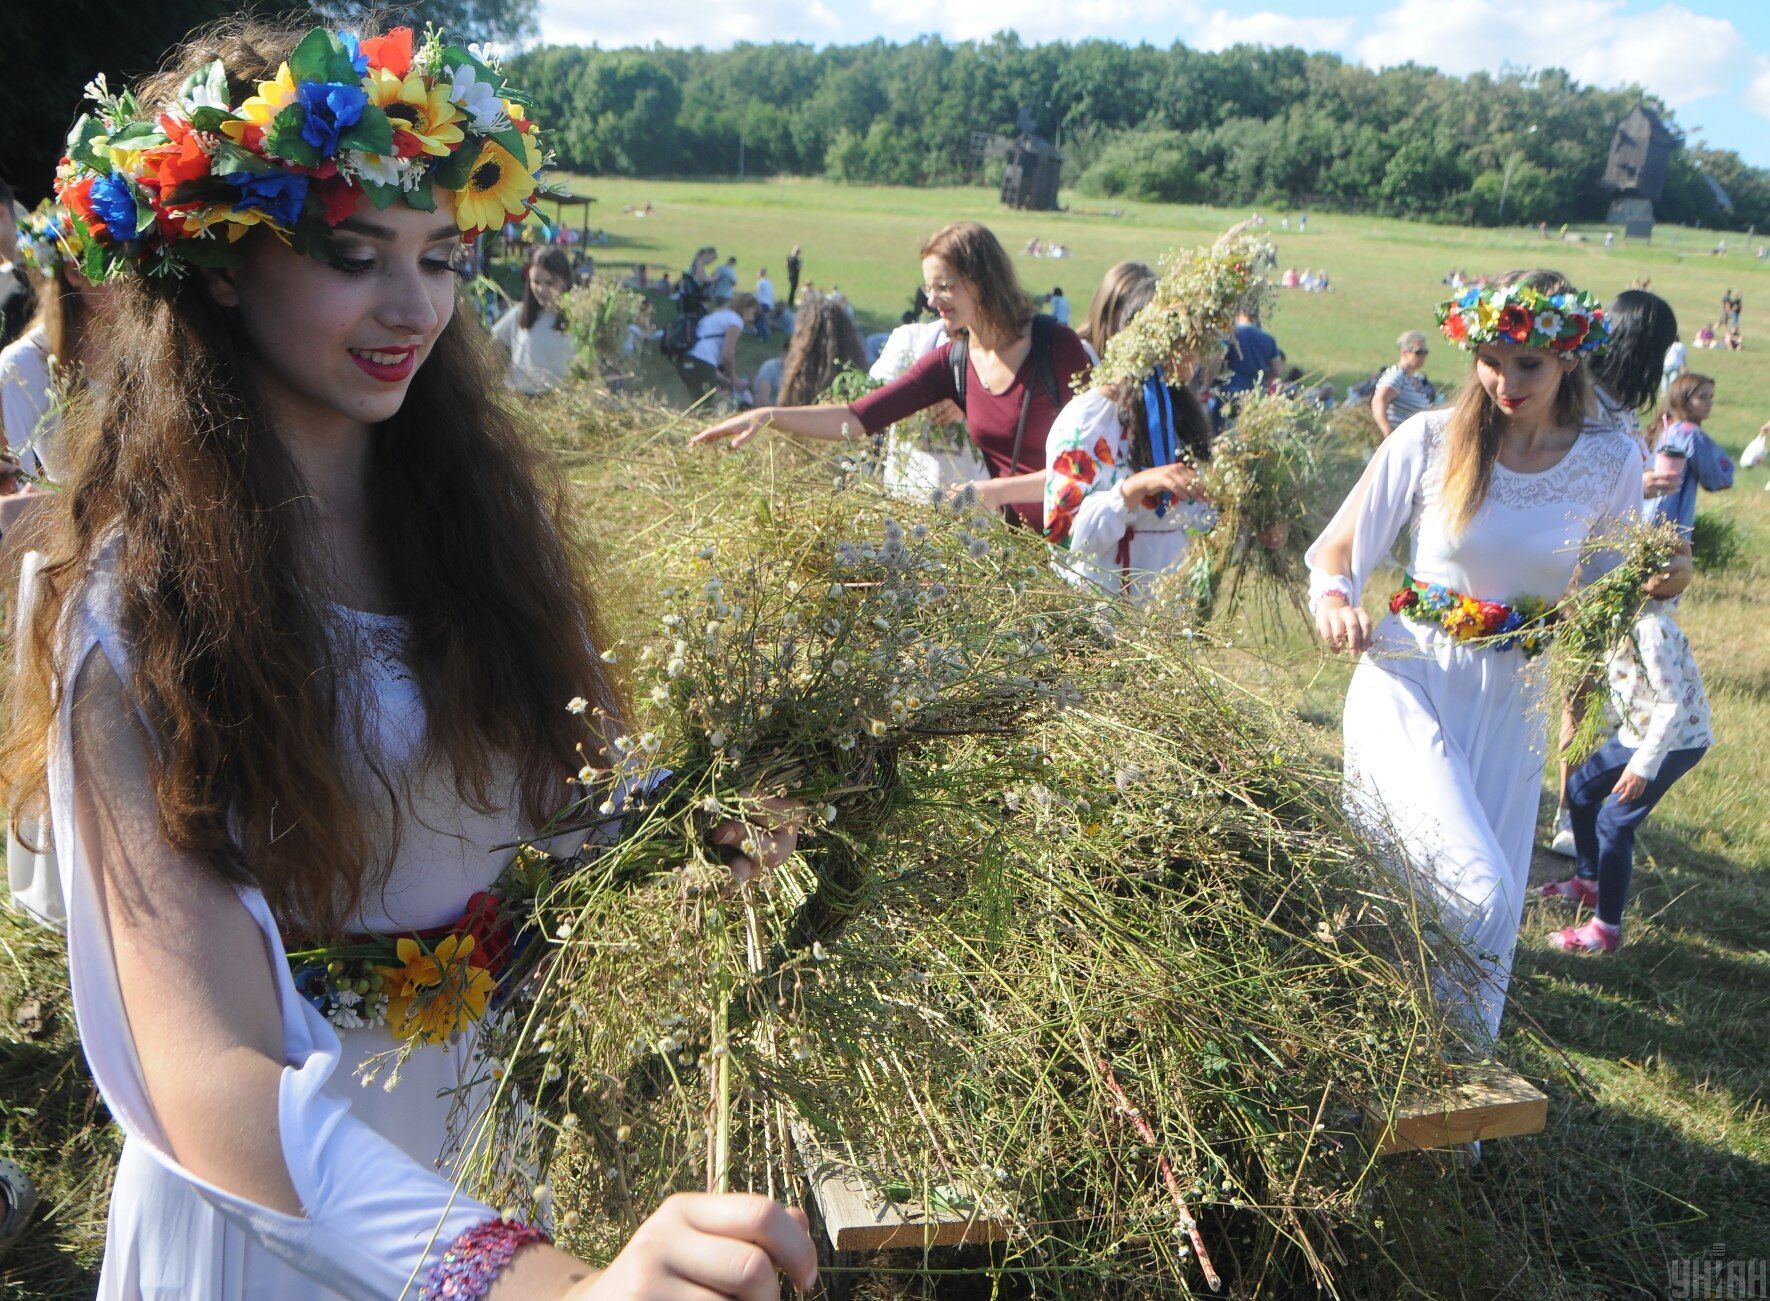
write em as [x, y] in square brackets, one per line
[284, 139]
[372, 135]
[321, 56]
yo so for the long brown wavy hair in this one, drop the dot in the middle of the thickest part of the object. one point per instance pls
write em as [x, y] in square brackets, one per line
[977, 257]
[1472, 434]
[62, 312]
[825, 341]
[175, 465]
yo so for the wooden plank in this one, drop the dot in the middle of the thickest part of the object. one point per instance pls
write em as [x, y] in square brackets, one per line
[1479, 1102]
[859, 1216]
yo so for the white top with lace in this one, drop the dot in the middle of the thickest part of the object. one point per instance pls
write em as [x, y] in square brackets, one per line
[1525, 537]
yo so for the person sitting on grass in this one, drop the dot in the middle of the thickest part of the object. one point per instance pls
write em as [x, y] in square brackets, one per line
[1403, 390]
[1659, 716]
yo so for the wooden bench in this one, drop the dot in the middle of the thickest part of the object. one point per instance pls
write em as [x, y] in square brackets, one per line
[1479, 1102]
[859, 1215]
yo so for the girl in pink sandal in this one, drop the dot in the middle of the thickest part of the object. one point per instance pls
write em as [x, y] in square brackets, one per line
[1661, 718]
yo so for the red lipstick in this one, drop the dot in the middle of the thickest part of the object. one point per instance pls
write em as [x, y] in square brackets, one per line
[389, 365]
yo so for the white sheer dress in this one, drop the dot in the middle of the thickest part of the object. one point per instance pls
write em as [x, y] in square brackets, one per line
[1445, 743]
[364, 1161]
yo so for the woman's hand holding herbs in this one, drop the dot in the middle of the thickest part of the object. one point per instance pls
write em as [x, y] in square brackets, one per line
[1179, 480]
[764, 842]
[707, 1247]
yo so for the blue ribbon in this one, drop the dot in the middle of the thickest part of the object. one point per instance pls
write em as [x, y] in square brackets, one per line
[1158, 410]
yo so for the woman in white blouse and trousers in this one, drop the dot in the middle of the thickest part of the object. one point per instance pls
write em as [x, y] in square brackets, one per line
[1444, 756]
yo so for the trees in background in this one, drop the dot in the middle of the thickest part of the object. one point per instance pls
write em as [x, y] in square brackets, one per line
[1245, 126]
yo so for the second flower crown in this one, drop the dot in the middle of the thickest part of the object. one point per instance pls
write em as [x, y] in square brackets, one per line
[344, 121]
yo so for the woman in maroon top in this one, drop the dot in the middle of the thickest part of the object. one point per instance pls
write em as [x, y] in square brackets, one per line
[1010, 396]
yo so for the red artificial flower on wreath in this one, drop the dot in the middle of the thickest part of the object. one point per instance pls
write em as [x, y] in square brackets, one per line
[1103, 452]
[1403, 600]
[1455, 329]
[339, 197]
[175, 164]
[1513, 322]
[1492, 615]
[1074, 464]
[1573, 333]
[77, 198]
[489, 923]
[392, 51]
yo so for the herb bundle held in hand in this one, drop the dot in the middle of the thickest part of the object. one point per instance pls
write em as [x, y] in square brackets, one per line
[972, 968]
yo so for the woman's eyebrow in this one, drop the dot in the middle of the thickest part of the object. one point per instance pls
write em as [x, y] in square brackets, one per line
[374, 230]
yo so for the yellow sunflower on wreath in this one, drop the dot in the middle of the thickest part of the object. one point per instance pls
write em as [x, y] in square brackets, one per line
[498, 186]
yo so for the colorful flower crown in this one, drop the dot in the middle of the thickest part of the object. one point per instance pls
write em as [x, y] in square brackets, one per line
[1571, 322]
[49, 240]
[342, 120]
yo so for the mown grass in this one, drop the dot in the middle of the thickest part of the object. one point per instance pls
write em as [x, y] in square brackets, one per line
[1658, 1061]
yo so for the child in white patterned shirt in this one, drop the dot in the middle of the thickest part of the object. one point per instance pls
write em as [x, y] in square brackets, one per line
[1661, 718]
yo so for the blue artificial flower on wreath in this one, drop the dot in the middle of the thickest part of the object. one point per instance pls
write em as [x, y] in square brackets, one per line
[279, 194]
[1512, 622]
[353, 47]
[332, 107]
[114, 202]
[1436, 597]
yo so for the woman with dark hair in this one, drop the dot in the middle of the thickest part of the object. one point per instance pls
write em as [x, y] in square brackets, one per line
[57, 349]
[533, 332]
[1008, 370]
[305, 634]
[1627, 377]
[1118, 517]
[825, 342]
[1495, 497]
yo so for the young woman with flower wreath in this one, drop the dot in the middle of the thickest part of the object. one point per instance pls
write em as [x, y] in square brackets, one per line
[1495, 496]
[1119, 504]
[307, 629]
[55, 347]
[1013, 371]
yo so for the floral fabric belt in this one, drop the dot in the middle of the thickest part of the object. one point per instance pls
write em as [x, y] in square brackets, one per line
[428, 985]
[1527, 623]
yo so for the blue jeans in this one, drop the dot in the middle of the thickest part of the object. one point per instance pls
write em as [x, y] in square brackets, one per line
[1604, 827]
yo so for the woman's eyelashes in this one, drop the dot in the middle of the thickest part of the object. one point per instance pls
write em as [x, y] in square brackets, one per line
[358, 264]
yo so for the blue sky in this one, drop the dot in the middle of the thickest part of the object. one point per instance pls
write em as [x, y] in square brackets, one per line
[1709, 59]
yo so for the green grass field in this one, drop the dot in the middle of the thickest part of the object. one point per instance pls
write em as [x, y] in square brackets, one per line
[1658, 1061]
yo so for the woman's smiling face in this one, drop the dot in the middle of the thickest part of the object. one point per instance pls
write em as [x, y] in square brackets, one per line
[342, 340]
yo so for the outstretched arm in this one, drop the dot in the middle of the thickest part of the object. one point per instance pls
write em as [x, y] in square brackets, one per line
[831, 423]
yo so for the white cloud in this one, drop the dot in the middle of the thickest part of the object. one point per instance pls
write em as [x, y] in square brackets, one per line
[689, 22]
[1757, 95]
[1677, 54]
[1221, 29]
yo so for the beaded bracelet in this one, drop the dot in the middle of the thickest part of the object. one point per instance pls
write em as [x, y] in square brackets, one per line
[476, 1258]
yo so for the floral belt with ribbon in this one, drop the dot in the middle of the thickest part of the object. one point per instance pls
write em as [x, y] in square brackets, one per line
[1527, 624]
[432, 984]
